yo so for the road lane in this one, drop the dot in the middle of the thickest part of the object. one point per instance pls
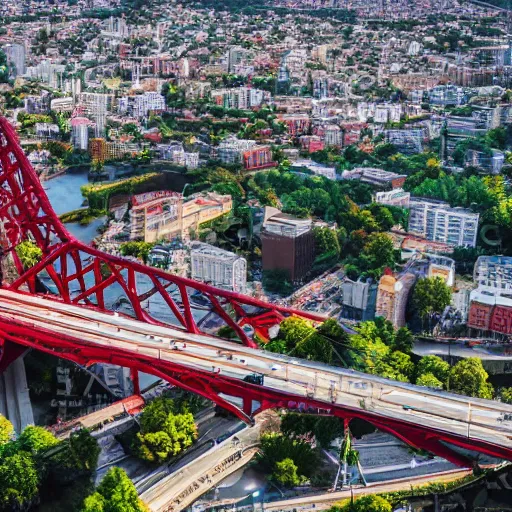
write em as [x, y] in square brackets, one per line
[479, 419]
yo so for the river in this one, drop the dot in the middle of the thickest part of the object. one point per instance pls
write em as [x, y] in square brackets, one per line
[65, 195]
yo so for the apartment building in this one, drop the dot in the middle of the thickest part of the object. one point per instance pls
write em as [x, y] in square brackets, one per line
[16, 56]
[491, 303]
[218, 267]
[375, 176]
[240, 97]
[395, 197]
[141, 105]
[231, 149]
[437, 221]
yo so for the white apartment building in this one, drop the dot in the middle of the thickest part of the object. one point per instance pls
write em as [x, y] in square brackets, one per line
[189, 160]
[231, 149]
[15, 54]
[218, 267]
[380, 112]
[438, 222]
[395, 197]
[147, 102]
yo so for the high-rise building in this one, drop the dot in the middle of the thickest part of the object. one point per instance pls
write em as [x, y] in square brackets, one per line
[437, 221]
[15, 54]
[80, 132]
[218, 267]
[288, 243]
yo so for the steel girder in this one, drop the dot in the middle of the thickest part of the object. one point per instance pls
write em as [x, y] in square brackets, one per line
[17, 336]
[79, 274]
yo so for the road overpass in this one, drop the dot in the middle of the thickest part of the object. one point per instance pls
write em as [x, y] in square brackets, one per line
[437, 421]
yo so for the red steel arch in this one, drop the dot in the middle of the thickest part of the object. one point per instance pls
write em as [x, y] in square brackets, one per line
[80, 274]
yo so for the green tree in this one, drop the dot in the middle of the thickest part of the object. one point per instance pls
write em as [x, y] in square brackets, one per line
[35, 439]
[429, 380]
[401, 363]
[404, 340]
[378, 253]
[6, 430]
[29, 253]
[435, 366]
[431, 295]
[277, 447]
[469, 378]
[83, 451]
[326, 241]
[371, 503]
[94, 503]
[18, 481]
[315, 348]
[294, 330]
[325, 429]
[115, 493]
[506, 395]
[286, 474]
[166, 430]
[139, 250]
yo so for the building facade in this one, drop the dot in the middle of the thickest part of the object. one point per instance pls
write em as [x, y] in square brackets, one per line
[437, 221]
[288, 244]
[218, 267]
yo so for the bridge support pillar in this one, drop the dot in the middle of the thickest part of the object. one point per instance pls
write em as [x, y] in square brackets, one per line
[9, 352]
[247, 406]
[135, 379]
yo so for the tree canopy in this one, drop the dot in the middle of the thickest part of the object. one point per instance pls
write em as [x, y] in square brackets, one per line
[115, 493]
[166, 430]
[469, 378]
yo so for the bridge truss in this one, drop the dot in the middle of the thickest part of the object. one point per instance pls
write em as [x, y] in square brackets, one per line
[76, 274]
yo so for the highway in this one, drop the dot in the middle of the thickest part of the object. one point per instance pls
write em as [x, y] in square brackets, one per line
[478, 420]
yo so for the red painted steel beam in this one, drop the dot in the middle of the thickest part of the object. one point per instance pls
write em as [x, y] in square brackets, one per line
[27, 214]
[211, 385]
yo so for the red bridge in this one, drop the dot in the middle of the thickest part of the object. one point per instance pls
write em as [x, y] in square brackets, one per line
[86, 306]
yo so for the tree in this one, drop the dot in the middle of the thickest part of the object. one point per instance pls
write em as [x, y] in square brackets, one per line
[325, 429]
[315, 348]
[435, 366]
[35, 439]
[6, 430]
[506, 395]
[401, 363]
[18, 481]
[294, 330]
[277, 447]
[83, 450]
[378, 253]
[404, 340]
[286, 474]
[431, 295]
[29, 254]
[116, 493]
[469, 378]
[429, 380]
[370, 503]
[166, 430]
[139, 250]
[326, 241]
[94, 503]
